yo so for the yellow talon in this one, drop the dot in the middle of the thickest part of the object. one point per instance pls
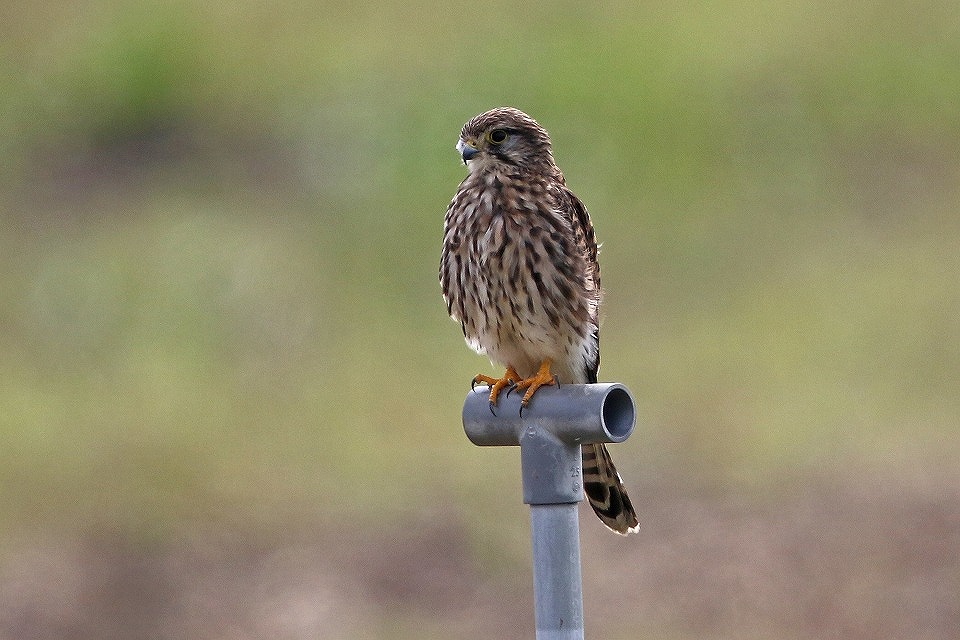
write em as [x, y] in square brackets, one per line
[496, 385]
[541, 378]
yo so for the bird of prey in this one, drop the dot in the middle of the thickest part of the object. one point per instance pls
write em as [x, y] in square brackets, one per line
[519, 272]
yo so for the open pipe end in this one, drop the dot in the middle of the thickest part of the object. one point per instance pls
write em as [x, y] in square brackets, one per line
[619, 414]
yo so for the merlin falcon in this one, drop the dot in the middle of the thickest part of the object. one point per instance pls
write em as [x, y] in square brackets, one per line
[519, 272]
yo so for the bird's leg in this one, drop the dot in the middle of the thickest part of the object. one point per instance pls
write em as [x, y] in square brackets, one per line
[510, 377]
[541, 378]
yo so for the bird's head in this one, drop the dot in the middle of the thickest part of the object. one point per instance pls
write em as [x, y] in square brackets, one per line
[502, 138]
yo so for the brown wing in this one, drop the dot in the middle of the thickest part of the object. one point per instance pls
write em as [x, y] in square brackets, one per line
[583, 231]
[586, 242]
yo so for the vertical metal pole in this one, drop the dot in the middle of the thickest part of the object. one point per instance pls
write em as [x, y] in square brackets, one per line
[557, 584]
[552, 486]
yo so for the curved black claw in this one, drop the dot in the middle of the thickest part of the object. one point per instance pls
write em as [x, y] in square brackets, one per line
[513, 385]
[491, 409]
[473, 384]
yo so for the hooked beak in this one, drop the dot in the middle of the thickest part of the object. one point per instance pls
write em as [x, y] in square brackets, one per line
[467, 151]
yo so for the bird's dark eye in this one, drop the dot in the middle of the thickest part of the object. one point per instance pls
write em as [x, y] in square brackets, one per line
[497, 136]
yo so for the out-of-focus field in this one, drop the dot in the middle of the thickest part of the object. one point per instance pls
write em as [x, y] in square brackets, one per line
[229, 394]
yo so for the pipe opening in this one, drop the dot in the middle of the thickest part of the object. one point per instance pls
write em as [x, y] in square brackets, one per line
[618, 414]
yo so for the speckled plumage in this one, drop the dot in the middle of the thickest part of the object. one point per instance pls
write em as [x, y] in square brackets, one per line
[519, 272]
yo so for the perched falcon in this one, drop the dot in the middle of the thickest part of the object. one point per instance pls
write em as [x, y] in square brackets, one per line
[519, 272]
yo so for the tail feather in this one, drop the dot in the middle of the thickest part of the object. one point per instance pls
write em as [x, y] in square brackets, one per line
[605, 491]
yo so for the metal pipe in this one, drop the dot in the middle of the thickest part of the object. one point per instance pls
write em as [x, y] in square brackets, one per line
[549, 434]
[581, 413]
[557, 585]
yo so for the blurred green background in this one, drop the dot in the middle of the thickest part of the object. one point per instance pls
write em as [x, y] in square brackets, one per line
[230, 395]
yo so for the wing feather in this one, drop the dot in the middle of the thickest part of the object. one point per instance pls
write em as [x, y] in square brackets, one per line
[585, 240]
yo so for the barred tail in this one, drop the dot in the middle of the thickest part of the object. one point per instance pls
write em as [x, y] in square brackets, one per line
[605, 491]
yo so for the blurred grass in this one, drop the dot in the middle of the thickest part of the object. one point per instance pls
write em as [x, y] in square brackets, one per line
[221, 224]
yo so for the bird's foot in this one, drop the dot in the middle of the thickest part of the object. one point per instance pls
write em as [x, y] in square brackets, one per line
[509, 379]
[541, 378]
